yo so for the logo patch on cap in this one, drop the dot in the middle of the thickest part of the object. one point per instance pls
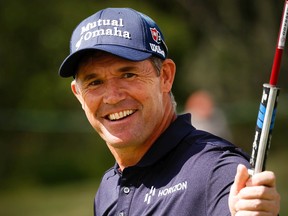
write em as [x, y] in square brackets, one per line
[155, 35]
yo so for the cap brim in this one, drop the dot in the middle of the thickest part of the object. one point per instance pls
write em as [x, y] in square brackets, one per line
[69, 66]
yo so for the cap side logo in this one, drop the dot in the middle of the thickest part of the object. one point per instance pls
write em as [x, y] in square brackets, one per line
[155, 35]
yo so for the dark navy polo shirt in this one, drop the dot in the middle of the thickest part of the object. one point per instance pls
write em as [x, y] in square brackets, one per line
[186, 172]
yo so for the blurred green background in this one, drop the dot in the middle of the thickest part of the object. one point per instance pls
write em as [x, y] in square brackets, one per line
[51, 160]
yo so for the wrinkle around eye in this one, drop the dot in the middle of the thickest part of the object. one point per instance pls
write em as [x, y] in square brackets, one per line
[90, 85]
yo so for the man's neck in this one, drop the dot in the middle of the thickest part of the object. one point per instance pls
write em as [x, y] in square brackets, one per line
[126, 157]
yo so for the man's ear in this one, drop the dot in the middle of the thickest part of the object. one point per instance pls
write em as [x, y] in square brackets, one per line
[168, 71]
[77, 92]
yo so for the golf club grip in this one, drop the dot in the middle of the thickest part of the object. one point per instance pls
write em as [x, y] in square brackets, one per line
[264, 127]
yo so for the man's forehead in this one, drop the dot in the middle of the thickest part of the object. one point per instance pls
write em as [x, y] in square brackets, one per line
[94, 65]
[103, 58]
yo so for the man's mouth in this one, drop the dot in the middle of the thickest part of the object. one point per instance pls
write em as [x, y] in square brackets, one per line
[120, 115]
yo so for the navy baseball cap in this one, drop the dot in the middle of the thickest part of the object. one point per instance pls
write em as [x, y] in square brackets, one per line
[123, 32]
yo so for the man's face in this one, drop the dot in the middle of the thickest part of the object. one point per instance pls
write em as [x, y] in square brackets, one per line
[124, 101]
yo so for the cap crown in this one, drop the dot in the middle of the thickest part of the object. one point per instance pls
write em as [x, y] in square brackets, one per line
[120, 31]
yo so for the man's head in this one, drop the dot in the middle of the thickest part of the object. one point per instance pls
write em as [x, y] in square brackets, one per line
[123, 78]
[125, 101]
[123, 32]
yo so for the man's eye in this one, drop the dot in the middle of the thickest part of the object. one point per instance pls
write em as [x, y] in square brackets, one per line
[128, 75]
[96, 82]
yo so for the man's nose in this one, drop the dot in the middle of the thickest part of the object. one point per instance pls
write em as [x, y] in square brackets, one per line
[113, 91]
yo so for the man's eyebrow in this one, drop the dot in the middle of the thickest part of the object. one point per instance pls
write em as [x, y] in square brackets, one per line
[127, 68]
[89, 77]
[123, 69]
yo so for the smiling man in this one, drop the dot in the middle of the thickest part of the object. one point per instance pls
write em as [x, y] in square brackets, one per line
[123, 103]
[164, 166]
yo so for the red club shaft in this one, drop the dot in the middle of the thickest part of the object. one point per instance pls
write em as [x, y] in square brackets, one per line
[280, 46]
[276, 67]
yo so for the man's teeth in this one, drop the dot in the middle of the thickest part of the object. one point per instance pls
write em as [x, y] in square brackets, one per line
[119, 115]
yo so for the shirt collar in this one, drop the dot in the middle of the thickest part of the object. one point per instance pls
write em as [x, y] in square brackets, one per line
[168, 140]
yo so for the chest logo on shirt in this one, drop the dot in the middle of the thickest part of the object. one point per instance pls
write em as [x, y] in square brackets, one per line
[164, 192]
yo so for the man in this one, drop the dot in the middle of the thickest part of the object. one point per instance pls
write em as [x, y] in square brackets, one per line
[164, 166]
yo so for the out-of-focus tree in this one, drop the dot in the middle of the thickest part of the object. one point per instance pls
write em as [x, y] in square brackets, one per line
[224, 46]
